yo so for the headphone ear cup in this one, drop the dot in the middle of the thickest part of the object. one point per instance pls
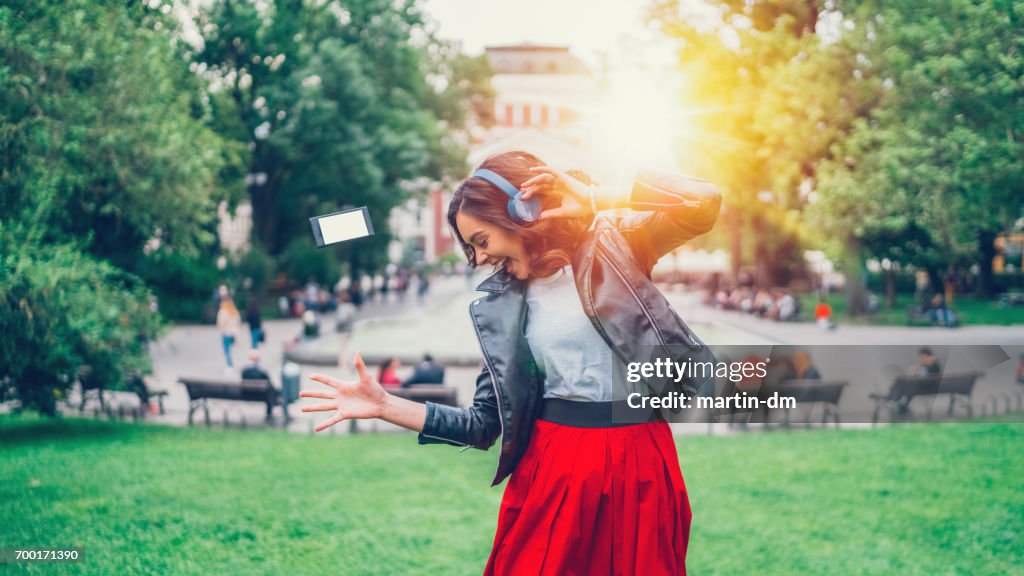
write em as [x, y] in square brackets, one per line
[524, 212]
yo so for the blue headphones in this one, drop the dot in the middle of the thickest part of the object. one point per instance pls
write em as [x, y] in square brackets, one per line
[521, 211]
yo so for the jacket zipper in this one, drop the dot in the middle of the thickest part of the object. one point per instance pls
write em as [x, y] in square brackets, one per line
[449, 440]
[494, 380]
[639, 301]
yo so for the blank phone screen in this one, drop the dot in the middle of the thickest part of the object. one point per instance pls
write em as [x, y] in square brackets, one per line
[350, 224]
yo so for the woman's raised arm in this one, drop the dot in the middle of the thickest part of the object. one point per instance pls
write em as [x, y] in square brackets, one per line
[668, 209]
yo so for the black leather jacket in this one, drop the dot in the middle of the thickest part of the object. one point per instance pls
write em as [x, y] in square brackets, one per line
[612, 267]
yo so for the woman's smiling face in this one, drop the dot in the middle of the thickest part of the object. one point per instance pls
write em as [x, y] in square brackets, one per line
[494, 245]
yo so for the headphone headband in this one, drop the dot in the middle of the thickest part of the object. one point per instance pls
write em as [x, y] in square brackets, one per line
[497, 180]
[521, 212]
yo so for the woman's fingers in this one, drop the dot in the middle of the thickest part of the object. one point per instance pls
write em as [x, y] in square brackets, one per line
[539, 183]
[357, 360]
[543, 178]
[330, 422]
[316, 394]
[567, 182]
[326, 380]
[320, 408]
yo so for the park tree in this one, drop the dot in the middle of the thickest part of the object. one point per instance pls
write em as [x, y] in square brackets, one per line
[887, 130]
[938, 163]
[105, 155]
[104, 140]
[340, 104]
[773, 91]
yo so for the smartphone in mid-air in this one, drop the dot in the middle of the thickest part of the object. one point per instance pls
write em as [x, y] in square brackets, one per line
[341, 226]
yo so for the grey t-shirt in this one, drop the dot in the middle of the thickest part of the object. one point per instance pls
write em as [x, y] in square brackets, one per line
[575, 361]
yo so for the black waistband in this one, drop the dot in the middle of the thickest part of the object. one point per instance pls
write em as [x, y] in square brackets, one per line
[594, 414]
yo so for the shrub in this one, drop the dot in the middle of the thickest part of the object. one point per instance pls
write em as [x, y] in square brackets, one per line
[61, 309]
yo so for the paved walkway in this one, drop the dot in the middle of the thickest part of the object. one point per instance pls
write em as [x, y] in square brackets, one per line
[440, 325]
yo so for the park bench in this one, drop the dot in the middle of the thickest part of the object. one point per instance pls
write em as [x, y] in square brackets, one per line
[88, 382]
[201, 390]
[437, 393]
[905, 388]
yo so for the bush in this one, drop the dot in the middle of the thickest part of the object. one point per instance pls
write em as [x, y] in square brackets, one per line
[60, 310]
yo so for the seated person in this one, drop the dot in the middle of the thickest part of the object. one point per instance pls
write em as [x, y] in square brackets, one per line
[803, 368]
[927, 365]
[387, 374]
[426, 372]
[253, 371]
[939, 313]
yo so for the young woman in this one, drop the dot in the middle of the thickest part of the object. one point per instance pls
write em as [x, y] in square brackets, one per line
[229, 322]
[586, 494]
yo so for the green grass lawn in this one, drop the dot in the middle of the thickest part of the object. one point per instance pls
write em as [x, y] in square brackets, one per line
[970, 310]
[916, 499]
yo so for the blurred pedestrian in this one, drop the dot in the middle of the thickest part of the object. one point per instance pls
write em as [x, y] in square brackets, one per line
[786, 307]
[229, 322]
[255, 321]
[823, 315]
[424, 285]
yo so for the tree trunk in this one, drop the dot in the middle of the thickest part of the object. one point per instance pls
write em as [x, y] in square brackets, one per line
[890, 288]
[853, 268]
[987, 248]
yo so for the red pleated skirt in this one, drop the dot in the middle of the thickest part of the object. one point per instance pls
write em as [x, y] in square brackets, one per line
[594, 501]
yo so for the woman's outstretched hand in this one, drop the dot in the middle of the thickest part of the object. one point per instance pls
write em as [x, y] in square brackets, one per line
[363, 398]
[575, 195]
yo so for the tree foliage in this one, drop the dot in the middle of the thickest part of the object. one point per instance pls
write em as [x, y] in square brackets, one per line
[341, 104]
[104, 142]
[61, 309]
[886, 130]
[940, 154]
